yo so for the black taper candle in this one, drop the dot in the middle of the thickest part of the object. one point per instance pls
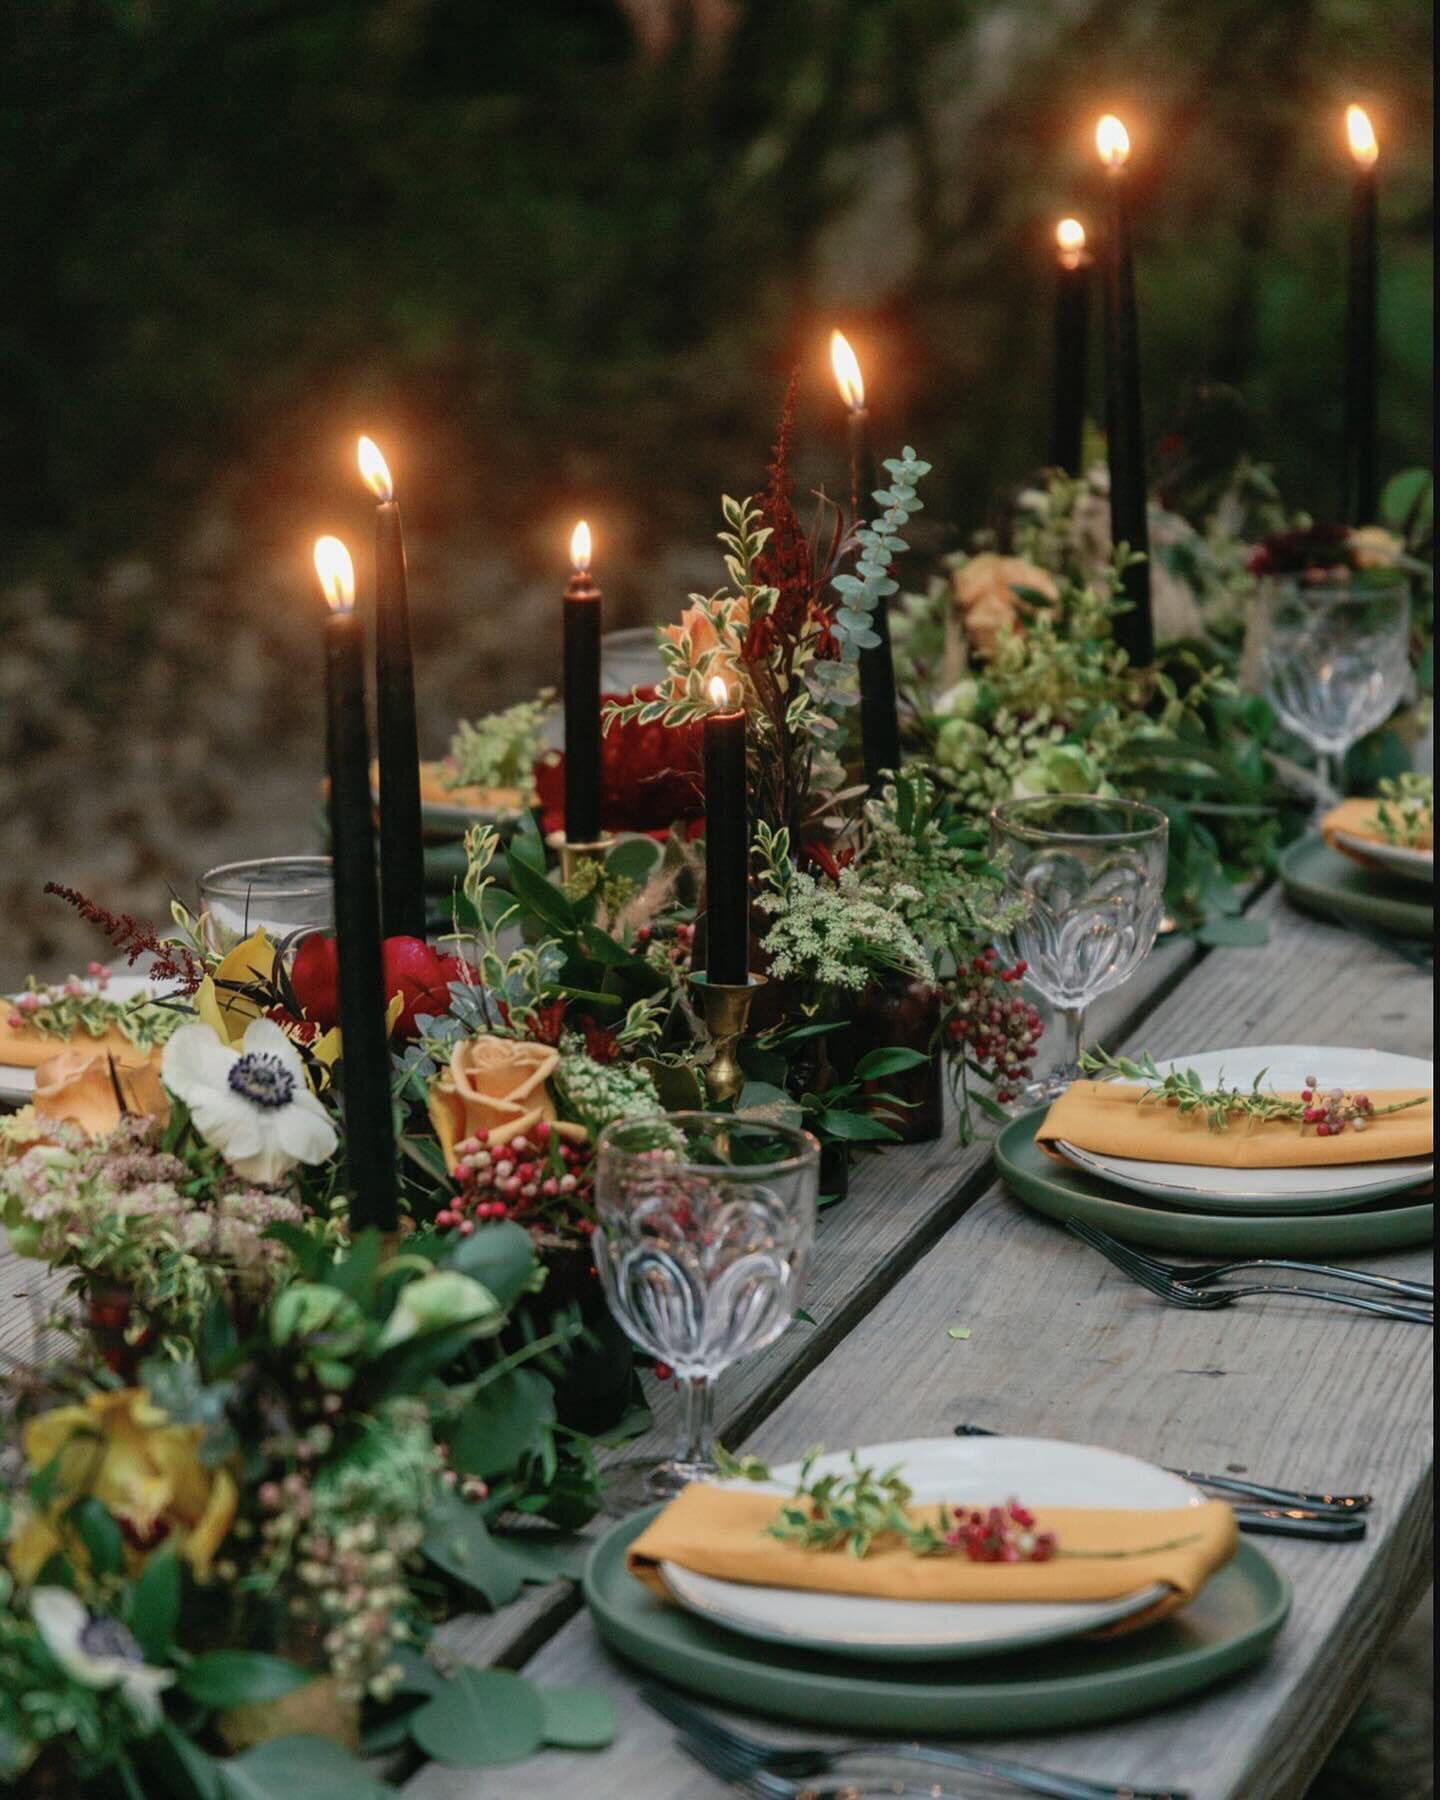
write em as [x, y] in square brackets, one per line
[365, 1053]
[402, 854]
[1124, 412]
[582, 696]
[1361, 495]
[727, 845]
[1072, 343]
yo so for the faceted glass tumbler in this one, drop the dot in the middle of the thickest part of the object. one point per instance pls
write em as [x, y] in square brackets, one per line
[1090, 872]
[706, 1227]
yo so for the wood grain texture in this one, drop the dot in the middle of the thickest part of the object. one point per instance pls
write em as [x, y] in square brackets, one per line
[1062, 1345]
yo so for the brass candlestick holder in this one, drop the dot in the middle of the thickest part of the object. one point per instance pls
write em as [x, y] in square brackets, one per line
[572, 855]
[727, 1011]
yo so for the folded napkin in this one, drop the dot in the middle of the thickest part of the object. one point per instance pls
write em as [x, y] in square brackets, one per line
[1356, 818]
[722, 1532]
[23, 1047]
[1106, 1117]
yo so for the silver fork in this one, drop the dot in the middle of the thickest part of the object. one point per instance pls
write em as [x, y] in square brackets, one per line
[1202, 1274]
[736, 1757]
[1177, 1293]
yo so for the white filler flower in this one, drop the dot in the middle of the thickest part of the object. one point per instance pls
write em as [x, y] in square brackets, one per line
[98, 1652]
[252, 1104]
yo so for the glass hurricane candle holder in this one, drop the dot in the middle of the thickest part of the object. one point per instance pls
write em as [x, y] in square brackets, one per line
[1333, 659]
[1091, 875]
[285, 896]
[706, 1227]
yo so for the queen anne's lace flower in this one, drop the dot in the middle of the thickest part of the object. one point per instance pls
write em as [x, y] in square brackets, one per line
[838, 933]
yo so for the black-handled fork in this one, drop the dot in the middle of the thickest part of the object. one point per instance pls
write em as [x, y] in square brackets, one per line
[1193, 1299]
[1199, 1275]
[736, 1757]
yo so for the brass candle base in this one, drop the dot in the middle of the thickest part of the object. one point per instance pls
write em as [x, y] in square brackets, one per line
[572, 855]
[727, 1010]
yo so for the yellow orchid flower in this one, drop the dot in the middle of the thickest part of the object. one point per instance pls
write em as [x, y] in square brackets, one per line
[226, 1012]
[123, 1450]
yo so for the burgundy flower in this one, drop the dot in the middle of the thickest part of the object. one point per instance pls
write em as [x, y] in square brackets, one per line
[650, 776]
[1294, 552]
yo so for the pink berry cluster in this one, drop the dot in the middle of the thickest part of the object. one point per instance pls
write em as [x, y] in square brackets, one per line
[536, 1174]
[996, 1030]
[1004, 1534]
[1331, 1113]
[678, 941]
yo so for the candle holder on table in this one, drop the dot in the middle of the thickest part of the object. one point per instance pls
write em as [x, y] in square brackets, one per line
[727, 1012]
[572, 855]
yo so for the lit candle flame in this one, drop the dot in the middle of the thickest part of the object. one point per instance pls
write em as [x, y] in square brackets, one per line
[1070, 236]
[1364, 146]
[847, 372]
[1112, 140]
[580, 547]
[336, 572]
[375, 470]
[719, 692]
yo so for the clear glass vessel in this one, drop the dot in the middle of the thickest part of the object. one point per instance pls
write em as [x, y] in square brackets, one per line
[1091, 872]
[706, 1227]
[287, 896]
[1333, 660]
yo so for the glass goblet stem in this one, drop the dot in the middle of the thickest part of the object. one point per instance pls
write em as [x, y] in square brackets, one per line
[694, 1457]
[1073, 1020]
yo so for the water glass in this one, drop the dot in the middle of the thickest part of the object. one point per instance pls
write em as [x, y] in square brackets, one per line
[1091, 875]
[706, 1226]
[287, 896]
[629, 659]
[1334, 662]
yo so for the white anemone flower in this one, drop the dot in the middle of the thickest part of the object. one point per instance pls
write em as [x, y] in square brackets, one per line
[98, 1652]
[253, 1104]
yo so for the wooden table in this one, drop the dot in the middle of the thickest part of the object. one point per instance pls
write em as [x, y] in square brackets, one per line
[1062, 1345]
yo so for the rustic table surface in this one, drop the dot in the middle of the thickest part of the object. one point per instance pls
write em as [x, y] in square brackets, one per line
[1061, 1344]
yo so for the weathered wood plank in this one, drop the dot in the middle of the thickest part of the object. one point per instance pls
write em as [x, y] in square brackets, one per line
[1061, 1344]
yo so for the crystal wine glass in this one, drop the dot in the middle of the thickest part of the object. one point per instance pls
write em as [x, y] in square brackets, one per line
[1091, 874]
[1334, 662]
[706, 1227]
[286, 896]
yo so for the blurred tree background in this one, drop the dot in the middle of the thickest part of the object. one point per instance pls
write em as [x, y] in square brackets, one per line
[558, 257]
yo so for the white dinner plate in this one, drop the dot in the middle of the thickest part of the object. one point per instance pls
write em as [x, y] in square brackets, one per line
[1276, 1190]
[962, 1471]
[1395, 859]
[17, 1085]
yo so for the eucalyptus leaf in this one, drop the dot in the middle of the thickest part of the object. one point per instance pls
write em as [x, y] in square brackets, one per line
[578, 1718]
[289, 1768]
[482, 1718]
[240, 1678]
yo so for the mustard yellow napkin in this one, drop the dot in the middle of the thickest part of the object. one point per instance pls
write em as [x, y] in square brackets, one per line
[1107, 1118]
[722, 1532]
[1356, 818]
[23, 1047]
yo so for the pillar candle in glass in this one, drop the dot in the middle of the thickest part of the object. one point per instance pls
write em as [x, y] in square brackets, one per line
[365, 1053]
[1361, 348]
[727, 842]
[402, 855]
[879, 711]
[1072, 335]
[1124, 413]
[582, 696]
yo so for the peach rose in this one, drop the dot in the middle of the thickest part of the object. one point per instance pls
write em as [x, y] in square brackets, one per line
[984, 591]
[695, 635]
[80, 1086]
[497, 1085]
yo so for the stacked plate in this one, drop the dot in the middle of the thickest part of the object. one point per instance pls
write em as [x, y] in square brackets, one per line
[1186, 1207]
[909, 1665]
[1387, 892]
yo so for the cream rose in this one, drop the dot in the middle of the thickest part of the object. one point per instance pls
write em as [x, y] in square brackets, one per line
[984, 592]
[497, 1085]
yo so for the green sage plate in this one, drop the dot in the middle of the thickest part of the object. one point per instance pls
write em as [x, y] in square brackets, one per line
[1230, 1625]
[1064, 1192]
[1321, 880]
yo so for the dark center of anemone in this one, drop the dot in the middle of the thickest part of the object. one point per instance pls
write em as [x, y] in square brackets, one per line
[108, 1637]
[263, 1080]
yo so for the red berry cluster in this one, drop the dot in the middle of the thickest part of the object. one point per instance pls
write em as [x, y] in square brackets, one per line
[998, 1032]
[680, 940]
[1331, 1113]
[1004, 1534]
[528, 1178]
